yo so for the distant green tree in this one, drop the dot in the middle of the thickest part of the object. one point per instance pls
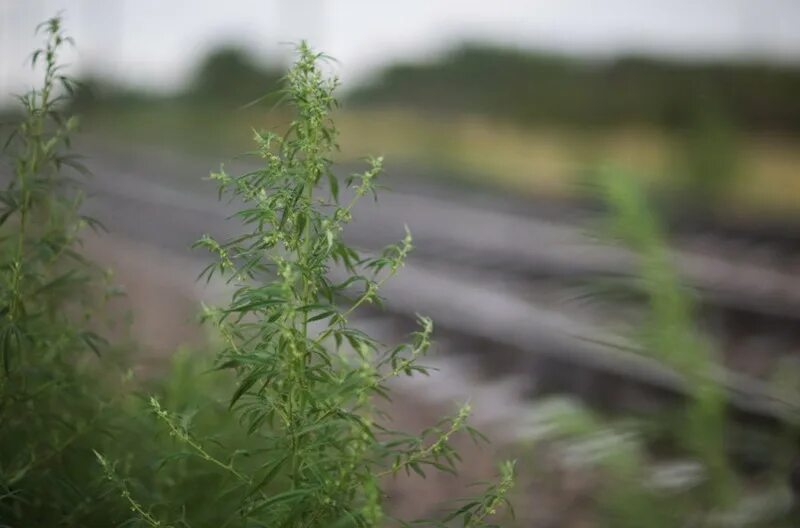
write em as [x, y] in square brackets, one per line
[231, 75]
[709, 154]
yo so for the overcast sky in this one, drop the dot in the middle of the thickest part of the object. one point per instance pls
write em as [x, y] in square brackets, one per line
[155, 43]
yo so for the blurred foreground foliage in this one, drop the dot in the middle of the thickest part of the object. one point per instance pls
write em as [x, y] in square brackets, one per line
[691, 465]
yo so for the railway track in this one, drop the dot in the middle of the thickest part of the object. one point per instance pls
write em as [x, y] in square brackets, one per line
[542, 241]
[527, 337]
[478, 271]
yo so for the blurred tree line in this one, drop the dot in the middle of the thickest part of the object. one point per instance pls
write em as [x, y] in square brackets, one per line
[532, 88]
[704, 105]
[229, 75]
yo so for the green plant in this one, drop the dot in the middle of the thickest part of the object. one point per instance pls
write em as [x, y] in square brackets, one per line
[52, 400]
[669, 333]
[317, 446]
[711, 494]
[668, 468]
[308, 447]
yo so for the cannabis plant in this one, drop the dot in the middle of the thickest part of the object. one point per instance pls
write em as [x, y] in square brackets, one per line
[668, 469]
[307, 380]
[670, 334]
[50, 402]
[714, 495]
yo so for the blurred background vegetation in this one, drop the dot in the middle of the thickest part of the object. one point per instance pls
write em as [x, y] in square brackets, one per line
[722, 134]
